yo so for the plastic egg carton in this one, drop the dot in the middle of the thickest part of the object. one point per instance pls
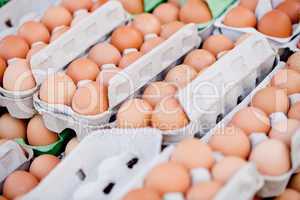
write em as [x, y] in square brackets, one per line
[273, 186]
[263, 6]
[242, 186]
[100, 165]
[123, 85]
[97, 26]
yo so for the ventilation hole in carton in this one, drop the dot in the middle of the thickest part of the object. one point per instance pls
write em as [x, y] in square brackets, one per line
[131, 163]
[8, 23]
[239, 99]
[219, 118]
[257, 81]
[113, 118]
[108, 188]
[198, 135]
[81, 175]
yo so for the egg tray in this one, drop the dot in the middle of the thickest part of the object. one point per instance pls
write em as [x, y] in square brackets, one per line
[263, 6]
[292, 45]
[59, 53]
[122, 85]
[242, 186]
[101, 164]
[273, 186]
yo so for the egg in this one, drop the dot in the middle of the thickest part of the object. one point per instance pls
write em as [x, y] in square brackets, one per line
[240, 17]
[12, 128]
[168, 115]
[57, 32]
[195, 12]
[204, 190]
[56, 16]
[57, 89]
[126, 37]
[271, 157]
[295, 182]
[129, 58]
[289, 194]
[3, 198]
[283, 28]
[217, 43]
[181, 75]
[33, 32]
[19, 183]
[174, 2]
[170, 28]
[168, 177]
[199, 59]
[294, 112]
[155, 92]
[251, 120]
[35, 48]
[293, 62]
[151, 44]
[287, 79]
[90, 99]
[134, 113]
[226, 168]
[73, 6]
[12, 46]
[72, 144]
[104, 53]
[250, 4]
[291, 8]
[133, 6]
[230, 141]
[18, 76]
[271, 100]
[42, 165]
[186, 150]
[147, 23]
[106, 75]
[82, 69]
[166, 12]
[3, 66]
[38, 134]
[142, 193]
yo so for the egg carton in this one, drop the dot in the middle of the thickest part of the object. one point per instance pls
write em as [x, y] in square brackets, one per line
[12, 158]
[100, 165]
[242, 186]
[273, 186]
[292, 45]
[97, 26]
[263, 6]
[122, 85]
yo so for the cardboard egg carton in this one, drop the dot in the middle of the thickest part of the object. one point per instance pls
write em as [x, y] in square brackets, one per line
[263, 6]
[123, 85]
[55, 56]
[273, 186]
[242, 186]
[100, 165]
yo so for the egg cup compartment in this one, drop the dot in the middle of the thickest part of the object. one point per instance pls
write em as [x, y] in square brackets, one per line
[263, 7]
[109, 158]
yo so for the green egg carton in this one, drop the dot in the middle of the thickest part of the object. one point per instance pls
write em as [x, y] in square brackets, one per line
[55, 149]
[3, 2]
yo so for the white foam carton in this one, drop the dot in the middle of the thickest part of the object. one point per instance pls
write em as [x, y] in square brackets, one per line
[292, 45]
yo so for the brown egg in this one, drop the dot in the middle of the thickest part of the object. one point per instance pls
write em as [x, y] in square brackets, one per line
[33, 31]
[270, 100]
[72, 144]
[231, 141]
[56, 16]
[151, 44]
[155, 92]
[250, 4]
[226, 168]
[195, 12]
[104, 53]
[289, 194]
[166, 12]
[294, 112]
[147, 23]
[35, 48]
[283, 26]
[2, 69]
[217, 43]
[12, 128]
[134, 113]
[251, 120]
[57, 32]
[129, 58]
[170, 28]
[133, 6]
[73, 6]
[199, 59]
[168, 177]
[38, 134]
[168, 115]
[126, 37]
[13, 47]
[272, 157]
[185, 151]
[3, 198]
[142, 193]
[82, 69]
[57, 89]
[107, 74]
[18, 76]
[42, 165]
[240, 17]
[181, 75]
[291, 8]
[205, 190]
[295, 182]
[287, 79]
[294, 62]
[19, 183]
[90, 99]
[174, 2]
